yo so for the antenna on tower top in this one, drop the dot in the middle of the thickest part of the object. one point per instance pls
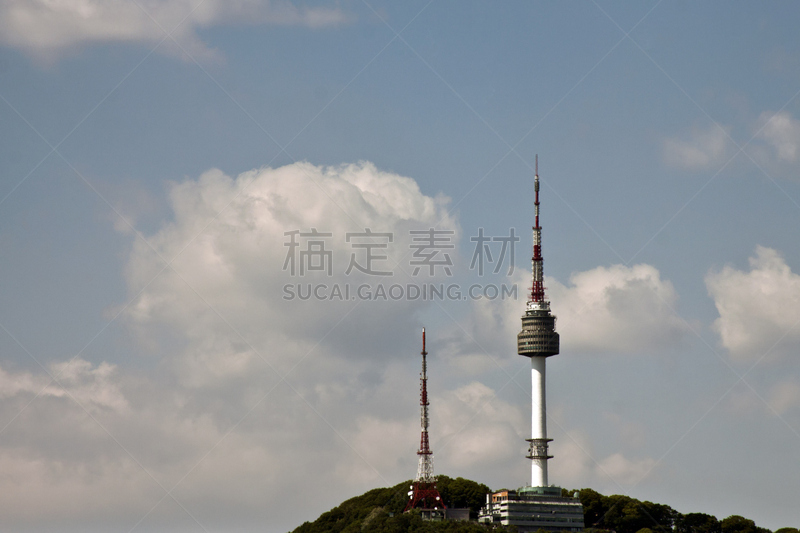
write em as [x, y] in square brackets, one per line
[536, 296]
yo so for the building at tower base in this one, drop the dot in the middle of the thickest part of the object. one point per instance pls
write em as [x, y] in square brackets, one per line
[533, 508]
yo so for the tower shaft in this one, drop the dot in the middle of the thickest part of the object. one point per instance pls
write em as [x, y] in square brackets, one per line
[537, 451]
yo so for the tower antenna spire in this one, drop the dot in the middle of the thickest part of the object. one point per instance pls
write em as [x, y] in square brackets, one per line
[423, 493]
[537, 261]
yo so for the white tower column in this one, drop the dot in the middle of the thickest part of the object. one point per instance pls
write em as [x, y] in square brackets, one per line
[538, 422]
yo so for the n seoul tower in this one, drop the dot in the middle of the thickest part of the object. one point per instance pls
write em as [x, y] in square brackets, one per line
[539, 505]
[538, 340]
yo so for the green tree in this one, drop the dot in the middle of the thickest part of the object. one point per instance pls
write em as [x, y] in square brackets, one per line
[739, 524]
[461, 493]
[624, 514]
[697, 523]
[595, 506]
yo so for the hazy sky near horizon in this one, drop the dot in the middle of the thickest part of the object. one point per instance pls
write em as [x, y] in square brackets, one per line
[159, 370]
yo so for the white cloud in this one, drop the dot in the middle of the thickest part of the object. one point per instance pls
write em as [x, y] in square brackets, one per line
[609, 309]
[784, 396]
[781, 132]
[702, 149]
[743, 401]
[779, 398]
[228, 271]
[576, 465]
[384, 445]
[486, 337]
[94, 388]
[775, 145]
[217, 325]
[473, 432]
[479, 428]
[625, 471]
[617, 309]
[572, 464]
[45, 28]
[757, 309]
[633, 434]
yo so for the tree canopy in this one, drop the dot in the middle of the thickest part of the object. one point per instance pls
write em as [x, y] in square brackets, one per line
[624, 514]
[381, 511]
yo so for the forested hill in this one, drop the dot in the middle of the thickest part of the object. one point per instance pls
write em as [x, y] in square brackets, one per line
[381, 510]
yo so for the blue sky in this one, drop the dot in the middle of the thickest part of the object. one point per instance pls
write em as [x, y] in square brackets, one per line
[153, 376]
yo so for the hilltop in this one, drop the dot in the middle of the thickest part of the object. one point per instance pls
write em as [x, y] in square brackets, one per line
[381, 511]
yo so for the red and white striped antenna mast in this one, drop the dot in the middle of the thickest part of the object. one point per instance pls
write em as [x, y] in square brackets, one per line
[423, 493]
[537, 261]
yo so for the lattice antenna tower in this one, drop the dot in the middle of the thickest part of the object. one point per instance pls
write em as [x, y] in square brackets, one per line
[423, 493]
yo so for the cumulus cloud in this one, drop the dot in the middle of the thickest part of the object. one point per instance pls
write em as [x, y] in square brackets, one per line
[781, 131]
[45, 28]
[486, 337]
[608, 309]
[229, 273]
[776, 143]
[699, 150]
[623, 470]
[574, 466]
[784, 396]
[481, 429]
[578, 464]
[617, 309]
[758, 310]
[633, 434]
[92, 387]
[220, 334]
[779, 398]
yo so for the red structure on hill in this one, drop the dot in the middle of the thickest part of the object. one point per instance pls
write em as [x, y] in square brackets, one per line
[423, 494]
